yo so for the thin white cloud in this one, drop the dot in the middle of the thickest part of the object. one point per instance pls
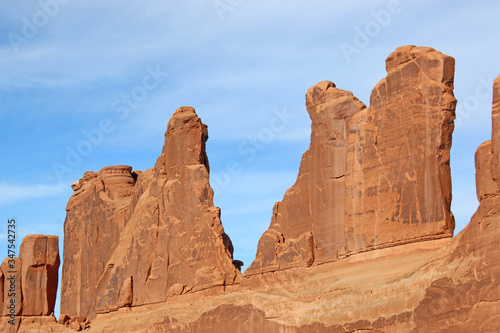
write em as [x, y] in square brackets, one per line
[10, 193]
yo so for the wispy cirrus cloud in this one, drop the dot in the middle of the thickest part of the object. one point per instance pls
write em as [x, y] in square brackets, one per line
[11, 193]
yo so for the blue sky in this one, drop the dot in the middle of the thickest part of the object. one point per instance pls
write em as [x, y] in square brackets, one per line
[103, 78]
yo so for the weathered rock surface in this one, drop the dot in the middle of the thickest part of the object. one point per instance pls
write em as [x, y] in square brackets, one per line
[96, 214]
[468, 298]
[29, 283]
[136, 238]
[372, 177]
[485, 183]
[12, 287]
[308, 225]
[320, 267]
[40, 261]
[399, 181]
[433, 285]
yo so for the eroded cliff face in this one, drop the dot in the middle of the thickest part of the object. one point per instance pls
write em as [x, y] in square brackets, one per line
[135, 238]
[96, 214]
[361, 241]
[433, 285]
[308, 225]
[399, 180]
[467, 299]
[372, 177]
[28, 284]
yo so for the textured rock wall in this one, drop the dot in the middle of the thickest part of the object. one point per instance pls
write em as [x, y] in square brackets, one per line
[34, 278]
[40, 261]
[12, 281]
[436, 285]
[136, 238]
[468, 299]
[170, 241]
[96, 214]
[372, 177]
[308, 224]
[399, 181]
[174, 242]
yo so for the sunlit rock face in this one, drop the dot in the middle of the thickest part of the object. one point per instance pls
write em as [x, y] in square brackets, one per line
[372, 177]
[135, 238]
[361, 241]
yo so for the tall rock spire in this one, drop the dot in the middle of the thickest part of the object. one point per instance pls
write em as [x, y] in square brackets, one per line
[170, 237]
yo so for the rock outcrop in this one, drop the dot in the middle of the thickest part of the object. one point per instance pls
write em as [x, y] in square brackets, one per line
[308, 225]
[137, 238]
[399, 180]
[96, 214]
[372, 177]
[432, 285]
[467, 299]
[12, 294]
[29, 283]
[361, 241]
[40, 261]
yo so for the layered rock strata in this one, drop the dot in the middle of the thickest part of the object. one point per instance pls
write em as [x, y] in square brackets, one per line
[372, 177]
[138, 238]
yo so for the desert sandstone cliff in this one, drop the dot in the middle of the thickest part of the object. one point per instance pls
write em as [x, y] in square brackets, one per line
[361, 242]
[136, 238]
[372, 177]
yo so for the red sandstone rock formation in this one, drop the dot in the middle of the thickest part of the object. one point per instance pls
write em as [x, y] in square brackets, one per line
[308, 225]
[33, 278]
[434, 285]
[96, 214]
[399, 182]
[12, 286]
[136, 239]
[39, 256]
[468, 300]
[387, 280]
[372, 177]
